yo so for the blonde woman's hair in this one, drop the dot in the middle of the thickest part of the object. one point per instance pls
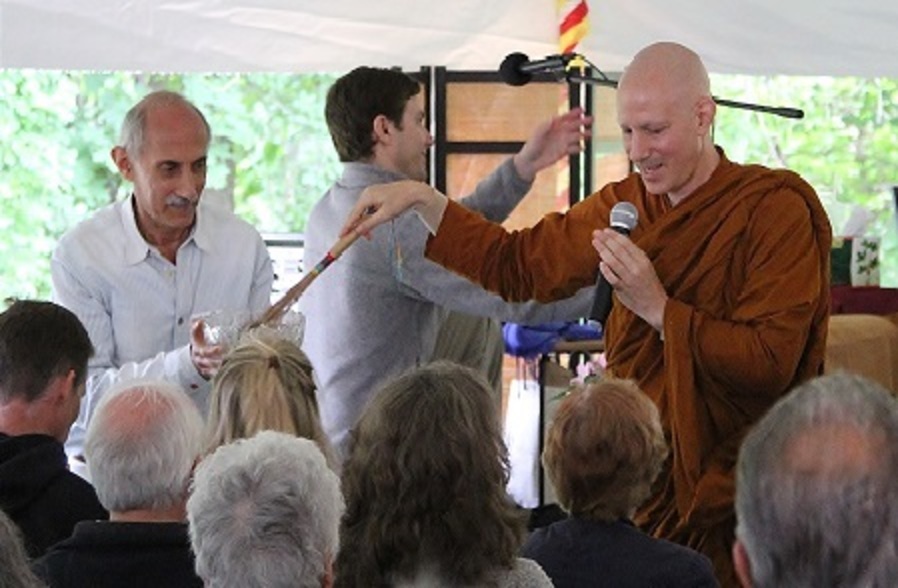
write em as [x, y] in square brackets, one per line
[265, 383]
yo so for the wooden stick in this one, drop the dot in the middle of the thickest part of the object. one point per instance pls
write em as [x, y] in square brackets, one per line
[277, 310]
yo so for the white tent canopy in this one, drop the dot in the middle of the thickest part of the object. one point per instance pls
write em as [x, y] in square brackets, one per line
[799, 37]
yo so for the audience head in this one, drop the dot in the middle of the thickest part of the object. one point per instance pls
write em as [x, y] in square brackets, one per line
[425, 483]
[666, 113]
[134, 133]
[164, 143]
[265, 383]
[817, 488]
[265, 512]
[141, 446]
[360, 101]
[44, 350]
[15, 571]
[604, 449]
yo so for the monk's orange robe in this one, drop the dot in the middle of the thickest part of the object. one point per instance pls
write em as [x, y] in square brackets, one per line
[745, 262]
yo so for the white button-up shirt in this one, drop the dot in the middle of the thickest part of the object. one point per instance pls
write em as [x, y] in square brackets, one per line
[136, 305]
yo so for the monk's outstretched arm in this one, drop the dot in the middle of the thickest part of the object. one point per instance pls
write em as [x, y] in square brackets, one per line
[548, 261]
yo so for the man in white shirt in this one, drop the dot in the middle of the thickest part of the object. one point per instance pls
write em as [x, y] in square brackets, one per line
[138, 270]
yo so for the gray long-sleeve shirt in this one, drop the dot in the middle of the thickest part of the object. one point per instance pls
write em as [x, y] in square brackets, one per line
[375, 312]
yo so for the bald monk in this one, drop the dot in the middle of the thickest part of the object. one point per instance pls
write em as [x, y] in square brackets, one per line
[721, 291]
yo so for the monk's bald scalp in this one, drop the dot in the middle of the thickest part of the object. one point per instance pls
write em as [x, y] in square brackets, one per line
[671, 67]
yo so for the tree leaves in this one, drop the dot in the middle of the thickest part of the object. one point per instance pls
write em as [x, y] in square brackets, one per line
[846, 146]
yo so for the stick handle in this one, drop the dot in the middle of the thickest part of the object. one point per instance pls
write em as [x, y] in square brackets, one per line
[279, 308]
[343, 244]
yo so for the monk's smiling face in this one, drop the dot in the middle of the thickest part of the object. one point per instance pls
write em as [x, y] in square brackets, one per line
[665, 113]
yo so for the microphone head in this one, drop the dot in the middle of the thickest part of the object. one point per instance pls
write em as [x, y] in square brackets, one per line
[624, 216]
[510, 70]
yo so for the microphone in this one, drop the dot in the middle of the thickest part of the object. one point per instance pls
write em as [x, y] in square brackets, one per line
[624, 217]
[517, 69]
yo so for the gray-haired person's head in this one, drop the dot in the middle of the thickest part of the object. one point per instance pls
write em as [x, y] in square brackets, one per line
[134, 125]
[142, 443]
[265, 511]
[817, 488]
[14, 569]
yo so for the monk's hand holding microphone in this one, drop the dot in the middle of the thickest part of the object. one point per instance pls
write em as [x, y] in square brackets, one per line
[625, 268]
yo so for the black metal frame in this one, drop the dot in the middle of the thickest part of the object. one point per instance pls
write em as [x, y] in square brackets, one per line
[436, 81]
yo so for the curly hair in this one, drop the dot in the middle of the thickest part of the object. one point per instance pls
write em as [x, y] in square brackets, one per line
[265, 383]
[425, 484]
[604, 449]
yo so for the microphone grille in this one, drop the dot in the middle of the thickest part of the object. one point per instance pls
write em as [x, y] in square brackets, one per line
[624, 215]
[510, 72]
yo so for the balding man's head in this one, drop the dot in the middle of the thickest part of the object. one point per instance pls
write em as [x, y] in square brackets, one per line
[141, 445]
[816, 482]
[665, 111]
[668, 67]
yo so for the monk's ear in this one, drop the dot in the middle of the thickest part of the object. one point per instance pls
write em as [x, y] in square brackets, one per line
[705, 110]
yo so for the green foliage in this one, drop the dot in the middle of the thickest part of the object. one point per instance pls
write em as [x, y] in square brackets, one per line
[271, 152]
[846, 146]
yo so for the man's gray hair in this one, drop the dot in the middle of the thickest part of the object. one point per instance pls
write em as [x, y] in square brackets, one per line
[817, 487]
[264, 511]
[135, 123]
[141, 445]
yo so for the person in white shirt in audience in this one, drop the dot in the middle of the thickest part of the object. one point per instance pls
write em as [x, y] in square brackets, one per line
[265, 512]
[137, 270]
